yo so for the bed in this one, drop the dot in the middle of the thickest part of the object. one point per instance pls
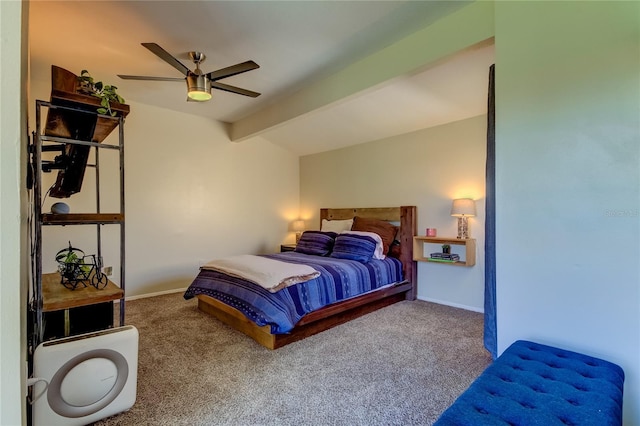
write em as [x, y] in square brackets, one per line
[290, 314]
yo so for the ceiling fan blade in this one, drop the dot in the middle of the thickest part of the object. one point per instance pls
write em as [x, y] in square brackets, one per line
[166, 56]
[144, 77]
[233, 89]
[232, 70]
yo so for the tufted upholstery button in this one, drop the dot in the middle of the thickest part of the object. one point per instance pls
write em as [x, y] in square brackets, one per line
[481, 410]
[527, 405]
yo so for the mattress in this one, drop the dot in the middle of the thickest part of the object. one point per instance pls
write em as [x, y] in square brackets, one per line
[340, 279]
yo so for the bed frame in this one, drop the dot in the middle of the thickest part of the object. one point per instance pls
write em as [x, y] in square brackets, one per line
[340, 312]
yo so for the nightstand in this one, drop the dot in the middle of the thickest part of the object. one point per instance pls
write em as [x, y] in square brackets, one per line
[287, 247]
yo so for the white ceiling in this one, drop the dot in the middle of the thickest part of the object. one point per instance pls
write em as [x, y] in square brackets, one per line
[294, 42]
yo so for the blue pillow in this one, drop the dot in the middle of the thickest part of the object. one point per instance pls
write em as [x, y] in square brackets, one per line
[354, 247]
[317, 243]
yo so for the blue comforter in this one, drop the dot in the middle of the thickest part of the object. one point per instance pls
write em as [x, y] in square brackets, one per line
[339, 279]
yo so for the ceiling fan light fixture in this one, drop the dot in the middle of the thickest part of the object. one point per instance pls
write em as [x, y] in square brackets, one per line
[199, 84]
[199, 87]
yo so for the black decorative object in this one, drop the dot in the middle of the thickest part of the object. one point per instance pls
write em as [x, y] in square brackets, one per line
[77, 268]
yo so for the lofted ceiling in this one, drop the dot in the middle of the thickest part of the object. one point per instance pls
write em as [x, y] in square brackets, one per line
[296, 43]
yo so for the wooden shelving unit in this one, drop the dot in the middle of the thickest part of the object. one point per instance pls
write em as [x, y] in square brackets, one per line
[469, 244]
[85, 308]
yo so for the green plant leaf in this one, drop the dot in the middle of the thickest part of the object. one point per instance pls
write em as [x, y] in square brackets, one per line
[105, 92]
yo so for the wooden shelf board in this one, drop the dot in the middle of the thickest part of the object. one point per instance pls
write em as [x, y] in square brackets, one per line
[458, 263]
[87, 101]
[81, 218]
[63, 122]
[448, 240]
[56, 296]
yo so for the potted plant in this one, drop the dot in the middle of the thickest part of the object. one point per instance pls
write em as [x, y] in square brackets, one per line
[72, 266]
[105, 92]
[82, 93]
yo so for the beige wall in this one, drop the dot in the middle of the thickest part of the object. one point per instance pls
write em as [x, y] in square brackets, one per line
[191, 196]
[13, 247]
[428, 169]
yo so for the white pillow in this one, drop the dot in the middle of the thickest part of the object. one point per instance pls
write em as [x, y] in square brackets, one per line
[336, 225]
[379, 253]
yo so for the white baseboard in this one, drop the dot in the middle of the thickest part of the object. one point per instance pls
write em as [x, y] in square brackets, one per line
[159, 293]
[453, 305]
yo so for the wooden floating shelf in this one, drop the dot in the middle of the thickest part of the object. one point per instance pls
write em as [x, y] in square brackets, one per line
[469, 243]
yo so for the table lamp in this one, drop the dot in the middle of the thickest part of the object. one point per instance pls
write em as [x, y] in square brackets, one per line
[298, 228]
[463, 208]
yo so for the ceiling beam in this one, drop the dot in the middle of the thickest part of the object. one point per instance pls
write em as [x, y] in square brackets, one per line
[460, 30]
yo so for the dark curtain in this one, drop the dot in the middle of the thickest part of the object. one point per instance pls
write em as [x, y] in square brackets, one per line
[490, 325]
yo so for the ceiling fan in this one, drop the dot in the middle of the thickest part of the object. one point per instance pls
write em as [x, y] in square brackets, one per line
[199, 84]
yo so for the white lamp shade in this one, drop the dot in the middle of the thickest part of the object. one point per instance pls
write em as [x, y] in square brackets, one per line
[462, 207]
[298, 225]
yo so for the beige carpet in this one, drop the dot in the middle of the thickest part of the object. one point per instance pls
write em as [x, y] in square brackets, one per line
[402, 365]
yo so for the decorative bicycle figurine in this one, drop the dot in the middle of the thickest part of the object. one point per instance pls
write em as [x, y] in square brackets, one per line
[77, 268]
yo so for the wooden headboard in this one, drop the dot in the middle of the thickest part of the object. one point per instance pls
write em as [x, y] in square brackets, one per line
[405, 215]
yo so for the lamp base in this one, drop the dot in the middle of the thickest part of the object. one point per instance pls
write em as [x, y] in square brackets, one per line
[298, 235]
[463, 228]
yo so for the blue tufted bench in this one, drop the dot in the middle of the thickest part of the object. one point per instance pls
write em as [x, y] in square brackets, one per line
[534, 384]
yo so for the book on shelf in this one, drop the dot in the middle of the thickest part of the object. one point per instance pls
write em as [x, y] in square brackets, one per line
[445, 256]
[434, 259]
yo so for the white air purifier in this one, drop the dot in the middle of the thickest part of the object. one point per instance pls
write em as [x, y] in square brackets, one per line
[85, 378]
